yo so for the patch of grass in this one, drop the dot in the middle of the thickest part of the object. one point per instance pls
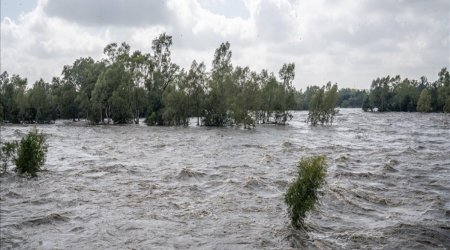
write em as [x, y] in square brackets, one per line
[302, 194]
[31, 153]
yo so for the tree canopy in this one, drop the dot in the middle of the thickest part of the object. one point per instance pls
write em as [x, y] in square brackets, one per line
[397, 94]
[130, 85]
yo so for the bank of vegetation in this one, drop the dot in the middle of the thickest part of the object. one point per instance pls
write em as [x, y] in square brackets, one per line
[397, 94]
[129, 85]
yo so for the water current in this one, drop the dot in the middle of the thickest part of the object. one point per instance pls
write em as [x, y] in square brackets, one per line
[139, 187]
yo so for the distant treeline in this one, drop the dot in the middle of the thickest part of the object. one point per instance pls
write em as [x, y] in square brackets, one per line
[130, 85]
[396, 94]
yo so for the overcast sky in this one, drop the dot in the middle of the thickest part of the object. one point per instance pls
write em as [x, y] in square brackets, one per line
[343, 41]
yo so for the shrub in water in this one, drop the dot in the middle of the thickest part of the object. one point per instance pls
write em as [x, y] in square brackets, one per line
[302, 194]
[7, 152]
[31, 153]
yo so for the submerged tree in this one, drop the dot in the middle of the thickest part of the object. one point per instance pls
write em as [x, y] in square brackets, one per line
[219, 88]
[81, 75]
[13, 99]
[163, 75]
[41, 108]
[287, 75]
[65, 99]
[195, 83]
[322, 106]
[424, 103]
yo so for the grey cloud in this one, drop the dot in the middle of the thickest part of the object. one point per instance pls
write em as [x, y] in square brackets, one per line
[272, 22]
[228, 8]
[428, 8]
[379, 26]
[110, 12]
[183, 37]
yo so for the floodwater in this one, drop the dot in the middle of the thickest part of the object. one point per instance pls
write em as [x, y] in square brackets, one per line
[139, 187]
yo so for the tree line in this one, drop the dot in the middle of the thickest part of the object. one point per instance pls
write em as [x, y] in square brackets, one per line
[397, 94]
[129, 85]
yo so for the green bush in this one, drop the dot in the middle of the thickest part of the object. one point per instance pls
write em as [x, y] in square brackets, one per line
[302, 194]
[7, 152]
[31, 153]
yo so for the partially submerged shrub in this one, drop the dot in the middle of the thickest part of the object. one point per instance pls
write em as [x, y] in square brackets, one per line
[31, 153]
[7, 152]
[302, 194]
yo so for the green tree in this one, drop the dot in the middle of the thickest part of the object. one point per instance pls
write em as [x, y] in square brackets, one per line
[112, 93]
[13, 98]
[1, 112]
[246, 97]
[83, 75]
[366, 106]
[424, 103]
[140, 66]
[65, 99]
[176, 103]
[268, 85]
[121, 112]
[195, 86]
[161, 77]
[287, 97]
[447, 105]
[322, 106]
[351, 98]
[307, 96]
[405, 96]
[443, 91]
[381, 93]
[395, 94]
[219, 89]
[42, 108]
[277, 97]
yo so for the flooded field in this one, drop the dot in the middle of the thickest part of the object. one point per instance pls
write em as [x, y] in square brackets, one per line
[139, 187]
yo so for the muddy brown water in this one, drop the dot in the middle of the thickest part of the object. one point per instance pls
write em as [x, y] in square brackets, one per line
[139, 187]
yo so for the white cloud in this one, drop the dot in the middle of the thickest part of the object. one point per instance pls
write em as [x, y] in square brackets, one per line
[38, 46]
[341, 41]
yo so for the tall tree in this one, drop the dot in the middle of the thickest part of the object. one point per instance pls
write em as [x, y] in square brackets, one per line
[195, 87]
[322, 107]
[443, 91]
[424, 103]
[42, 110]
[13, 98]
[65, 99]
[83, 74]
[219, 88]
[161, 77]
